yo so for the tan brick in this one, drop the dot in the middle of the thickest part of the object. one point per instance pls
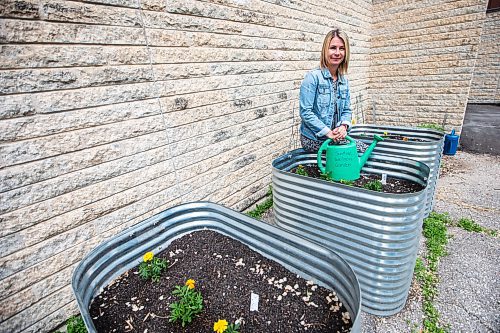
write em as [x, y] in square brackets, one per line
[16, 31]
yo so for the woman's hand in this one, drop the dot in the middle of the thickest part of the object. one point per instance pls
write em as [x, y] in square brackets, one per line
[338, 133]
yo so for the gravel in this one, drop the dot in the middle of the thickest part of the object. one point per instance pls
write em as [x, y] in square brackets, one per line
[469, 289]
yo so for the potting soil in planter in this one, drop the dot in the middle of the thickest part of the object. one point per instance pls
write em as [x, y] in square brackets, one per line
[392, 185]
[226, 272]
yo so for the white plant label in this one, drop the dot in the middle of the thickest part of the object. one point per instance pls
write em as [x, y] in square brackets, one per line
[254, 302]
[384, 178]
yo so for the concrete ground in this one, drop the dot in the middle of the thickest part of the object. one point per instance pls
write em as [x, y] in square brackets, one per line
[469, 286]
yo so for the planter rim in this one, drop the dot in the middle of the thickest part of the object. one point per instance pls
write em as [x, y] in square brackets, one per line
[373, 157]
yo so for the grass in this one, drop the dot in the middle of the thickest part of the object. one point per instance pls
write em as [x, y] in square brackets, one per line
[435, 233]
[259, 210]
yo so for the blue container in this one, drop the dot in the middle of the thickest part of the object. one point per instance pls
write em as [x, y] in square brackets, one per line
[450, 143]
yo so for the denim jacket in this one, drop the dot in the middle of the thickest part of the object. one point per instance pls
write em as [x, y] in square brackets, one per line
[316, 104]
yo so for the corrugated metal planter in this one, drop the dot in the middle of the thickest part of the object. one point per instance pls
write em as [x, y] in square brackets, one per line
[377, 233]
[428, 151]
[124, 251]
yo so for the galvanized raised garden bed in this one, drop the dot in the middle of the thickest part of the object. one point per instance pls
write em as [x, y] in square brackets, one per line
[377, 233]
[124, 251]
[428, 151]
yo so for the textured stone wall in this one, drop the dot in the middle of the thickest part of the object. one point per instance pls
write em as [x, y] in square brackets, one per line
[485, 87]
[424, 53]
[114, 110]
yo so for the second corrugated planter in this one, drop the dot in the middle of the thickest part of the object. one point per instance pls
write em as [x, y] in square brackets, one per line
[422, 144]
[377, 233]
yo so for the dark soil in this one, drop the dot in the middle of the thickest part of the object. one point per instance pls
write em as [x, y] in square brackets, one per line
[396, 137]
[226, 272]
[403, 138]
[393, 185]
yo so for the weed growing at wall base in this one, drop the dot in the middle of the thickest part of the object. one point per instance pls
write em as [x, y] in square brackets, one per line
[432, 126]
[262, 208]
[75, 324]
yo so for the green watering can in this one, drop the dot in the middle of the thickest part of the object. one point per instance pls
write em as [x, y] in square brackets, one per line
[342, 161]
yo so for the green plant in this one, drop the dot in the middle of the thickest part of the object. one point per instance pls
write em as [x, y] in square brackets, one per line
[374, 185]
[233, 328]
[75, 324]
[189, 305]
[301, 171]
[434, 229]
[435, 232]
[262, 208]
[346, 182]
[471, 225]
[432, 126]
[152, 267]
[324, 176]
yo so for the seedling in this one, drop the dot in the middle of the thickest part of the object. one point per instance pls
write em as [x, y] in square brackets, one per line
[189, 305]
[301, 171]
[324, 176]
[346, 182]
[152, 267]
[374, 185]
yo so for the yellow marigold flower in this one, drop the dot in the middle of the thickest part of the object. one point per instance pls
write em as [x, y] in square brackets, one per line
[220, 326]
[353, 121]
[148, 256]
[190, 283]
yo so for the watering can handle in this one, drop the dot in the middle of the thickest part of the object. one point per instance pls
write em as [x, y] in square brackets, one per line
[320, 152]
[351, 140]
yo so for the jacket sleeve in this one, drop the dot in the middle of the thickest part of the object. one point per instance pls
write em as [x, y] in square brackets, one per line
[346, 112]
[307, 97]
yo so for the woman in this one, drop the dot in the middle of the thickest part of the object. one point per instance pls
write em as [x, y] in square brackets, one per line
[325, 102]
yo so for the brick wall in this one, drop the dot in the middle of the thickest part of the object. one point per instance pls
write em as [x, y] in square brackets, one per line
[485, 87]
[112, 111]
[423, 58]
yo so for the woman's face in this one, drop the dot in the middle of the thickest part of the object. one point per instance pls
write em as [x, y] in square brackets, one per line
[336, 52]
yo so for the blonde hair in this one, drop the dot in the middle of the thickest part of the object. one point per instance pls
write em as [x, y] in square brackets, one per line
[326, 44]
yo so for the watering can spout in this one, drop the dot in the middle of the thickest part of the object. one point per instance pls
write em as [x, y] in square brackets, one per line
[369, 150]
